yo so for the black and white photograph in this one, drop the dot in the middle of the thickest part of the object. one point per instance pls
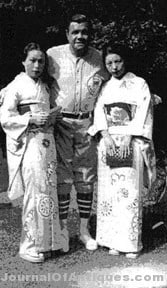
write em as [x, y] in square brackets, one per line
[83, 145]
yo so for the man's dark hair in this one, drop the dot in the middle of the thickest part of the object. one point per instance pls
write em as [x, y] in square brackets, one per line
[79, 18]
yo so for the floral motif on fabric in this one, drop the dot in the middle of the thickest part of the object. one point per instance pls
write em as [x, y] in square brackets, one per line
[46, 206]
[135, 227]
[123, 193]
[115, 177]
[117, 114]
[103, 157]
[51, 170]
[105, 208]
[28, 227]
[133, 205]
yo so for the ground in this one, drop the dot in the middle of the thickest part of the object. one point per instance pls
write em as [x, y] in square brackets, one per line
[79, 268]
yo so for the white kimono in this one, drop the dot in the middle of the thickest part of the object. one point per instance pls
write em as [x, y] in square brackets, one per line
[123, 108]
[32, 164]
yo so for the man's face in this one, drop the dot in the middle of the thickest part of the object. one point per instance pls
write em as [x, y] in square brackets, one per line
[78, 37]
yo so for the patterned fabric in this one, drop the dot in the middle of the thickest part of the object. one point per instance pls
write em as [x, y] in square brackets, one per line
[40, 217]
[32, 165]
[119, 189]
[119, 213]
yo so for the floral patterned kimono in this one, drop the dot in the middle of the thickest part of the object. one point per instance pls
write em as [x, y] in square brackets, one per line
[32, 164]
[124, 108]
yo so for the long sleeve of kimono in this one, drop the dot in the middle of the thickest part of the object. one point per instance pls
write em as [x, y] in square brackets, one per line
[141, 125]
[100, 121]
[12, 122]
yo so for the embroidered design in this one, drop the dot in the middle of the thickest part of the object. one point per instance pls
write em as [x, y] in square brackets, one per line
[28, 228]
[115, 177]
[136, 226]
[46, 206]
[105, 208]
[124, 193]
[94, 84]
[134, 205]
[51, 170]
[136, 223]
[103, 157]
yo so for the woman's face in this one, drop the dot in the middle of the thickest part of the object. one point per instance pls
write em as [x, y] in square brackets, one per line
[115, 65]
[34, 64]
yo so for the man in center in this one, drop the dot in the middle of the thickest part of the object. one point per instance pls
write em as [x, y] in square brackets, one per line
[79, 73]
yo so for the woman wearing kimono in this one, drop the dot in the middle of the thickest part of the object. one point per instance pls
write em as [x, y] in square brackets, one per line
[123, 117]
[31, 155]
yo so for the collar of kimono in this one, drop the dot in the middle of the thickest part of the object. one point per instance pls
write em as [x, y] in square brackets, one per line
[128, 94]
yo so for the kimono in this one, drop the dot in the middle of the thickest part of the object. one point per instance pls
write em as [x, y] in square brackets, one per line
[32, 163]
[123, 108]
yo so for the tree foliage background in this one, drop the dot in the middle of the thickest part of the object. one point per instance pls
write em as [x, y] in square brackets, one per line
[140, 24]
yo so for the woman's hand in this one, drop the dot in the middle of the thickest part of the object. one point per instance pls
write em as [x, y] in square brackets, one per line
[55, 114]
[125, 146]
[109, 142]
[39, 119]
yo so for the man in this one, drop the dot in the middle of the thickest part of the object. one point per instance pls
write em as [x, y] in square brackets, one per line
[78, 71]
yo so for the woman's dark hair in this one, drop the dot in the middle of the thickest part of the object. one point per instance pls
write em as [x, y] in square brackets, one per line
[119, 49]
[46, 78]
[29, 47]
